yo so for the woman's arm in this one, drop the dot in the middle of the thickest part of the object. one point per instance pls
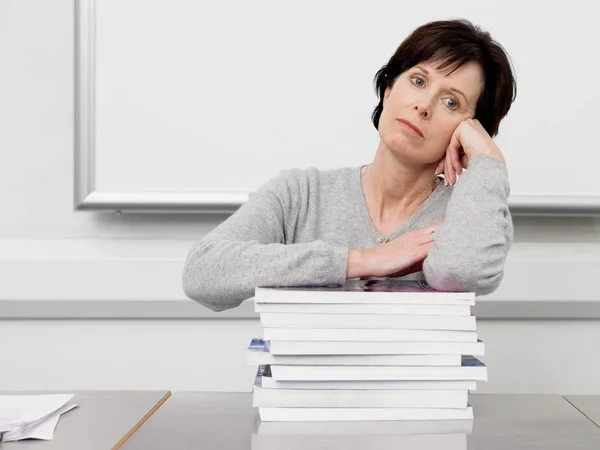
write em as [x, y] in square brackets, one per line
[249, 250]
[472, 243]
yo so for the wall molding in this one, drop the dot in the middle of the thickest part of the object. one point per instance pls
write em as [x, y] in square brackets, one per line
[189, 310]
[141, 279]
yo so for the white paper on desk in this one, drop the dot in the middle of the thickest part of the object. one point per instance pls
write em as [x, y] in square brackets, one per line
[41, 429]
[45, 429]
[17, 410]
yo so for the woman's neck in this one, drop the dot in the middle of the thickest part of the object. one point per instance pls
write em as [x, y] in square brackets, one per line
[394, 191]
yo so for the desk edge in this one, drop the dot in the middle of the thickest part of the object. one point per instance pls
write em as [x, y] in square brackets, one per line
[143, 420]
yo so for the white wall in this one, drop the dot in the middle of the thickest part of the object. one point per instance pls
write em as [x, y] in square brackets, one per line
[522, 356]
[36, 189]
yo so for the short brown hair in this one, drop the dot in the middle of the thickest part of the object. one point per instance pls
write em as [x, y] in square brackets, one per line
[454, 43]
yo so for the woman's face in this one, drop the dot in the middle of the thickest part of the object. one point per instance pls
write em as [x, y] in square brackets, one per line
[435, 103]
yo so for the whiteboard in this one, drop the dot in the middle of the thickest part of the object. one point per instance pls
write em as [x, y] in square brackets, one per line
[191, 105]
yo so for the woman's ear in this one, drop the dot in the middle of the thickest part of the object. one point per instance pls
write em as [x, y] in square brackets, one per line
[386, 94]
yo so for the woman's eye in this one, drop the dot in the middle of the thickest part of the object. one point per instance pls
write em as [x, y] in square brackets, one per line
[418, 81]
[451, 103]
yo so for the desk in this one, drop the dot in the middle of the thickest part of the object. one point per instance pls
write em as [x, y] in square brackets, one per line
[191, 420]
[103, 420]
[588, 405]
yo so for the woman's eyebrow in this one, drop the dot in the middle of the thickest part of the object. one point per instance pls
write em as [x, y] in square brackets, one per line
[458, 92]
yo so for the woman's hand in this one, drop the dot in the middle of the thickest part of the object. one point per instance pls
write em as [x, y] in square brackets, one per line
[399, 257]
[469, 139]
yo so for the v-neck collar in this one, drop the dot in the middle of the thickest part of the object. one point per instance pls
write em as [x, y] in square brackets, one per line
[366, 218]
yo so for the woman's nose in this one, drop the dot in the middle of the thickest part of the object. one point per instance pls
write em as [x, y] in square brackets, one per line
[422, 110]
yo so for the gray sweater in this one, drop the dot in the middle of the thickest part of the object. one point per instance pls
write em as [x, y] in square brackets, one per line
[297, 229]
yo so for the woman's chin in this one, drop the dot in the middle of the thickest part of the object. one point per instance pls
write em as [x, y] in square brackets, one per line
[402, 148]
[412, 155]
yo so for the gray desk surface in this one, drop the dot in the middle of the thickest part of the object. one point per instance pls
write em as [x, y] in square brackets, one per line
[588, 405]
[102, 420]
[192, 420]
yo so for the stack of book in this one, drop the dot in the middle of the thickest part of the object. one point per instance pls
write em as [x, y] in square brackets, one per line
[367, 350]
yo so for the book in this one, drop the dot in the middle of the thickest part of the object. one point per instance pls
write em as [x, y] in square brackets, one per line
[366, 334]
[471, 385]
[395, 428]
[455, 441]
[389, 321]
[363, 308]
[363, 414]
[267, 381]
[471, 369]
[258, 354]
[375, 348]
[380, 435]
[358, 398]
[351, 441]
[395, 291]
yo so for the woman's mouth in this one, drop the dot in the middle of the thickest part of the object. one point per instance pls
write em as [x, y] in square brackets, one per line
[411, 127]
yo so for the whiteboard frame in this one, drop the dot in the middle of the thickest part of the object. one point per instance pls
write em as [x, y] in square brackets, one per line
[88, 198]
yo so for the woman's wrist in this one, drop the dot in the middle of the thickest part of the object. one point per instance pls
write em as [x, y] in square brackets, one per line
[357, 264]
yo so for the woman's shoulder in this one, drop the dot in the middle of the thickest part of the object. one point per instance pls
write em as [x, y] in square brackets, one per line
[312, 177]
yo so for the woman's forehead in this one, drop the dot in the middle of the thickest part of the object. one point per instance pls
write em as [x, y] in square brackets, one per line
[442, 68]
[468, 77]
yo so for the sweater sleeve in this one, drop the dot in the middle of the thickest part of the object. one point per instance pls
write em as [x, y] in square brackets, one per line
[473, 241]
[249, 249]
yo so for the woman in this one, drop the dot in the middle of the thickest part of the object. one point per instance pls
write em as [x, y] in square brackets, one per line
[442, 95]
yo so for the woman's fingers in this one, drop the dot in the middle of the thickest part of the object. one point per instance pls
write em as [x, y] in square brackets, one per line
[434, 226]
[453, 152]
[455, 159]
[449, 174]
[428, 247]
[424, 251]
[464, 160]
[427, 233]
[440, 167]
